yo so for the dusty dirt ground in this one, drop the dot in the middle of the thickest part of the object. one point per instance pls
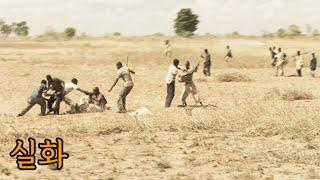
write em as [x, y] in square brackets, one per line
[248, 131]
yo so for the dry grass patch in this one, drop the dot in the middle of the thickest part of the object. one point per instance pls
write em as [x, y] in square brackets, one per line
[233, 77]
[296, 95]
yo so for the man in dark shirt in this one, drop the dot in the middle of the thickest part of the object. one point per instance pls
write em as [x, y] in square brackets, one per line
[313, 65]
[37, 98]
[57, 86]
[207, 63]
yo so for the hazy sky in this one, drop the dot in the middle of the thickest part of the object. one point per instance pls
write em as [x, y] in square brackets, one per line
[138, 17]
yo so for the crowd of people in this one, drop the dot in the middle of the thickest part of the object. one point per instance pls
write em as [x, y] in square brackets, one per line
[280, 60]
[52, 91]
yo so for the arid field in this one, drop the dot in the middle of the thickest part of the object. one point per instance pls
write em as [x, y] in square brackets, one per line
[261, 127]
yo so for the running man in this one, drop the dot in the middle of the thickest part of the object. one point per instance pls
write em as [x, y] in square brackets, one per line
[124, 73]
[189, 86]
[37, 98]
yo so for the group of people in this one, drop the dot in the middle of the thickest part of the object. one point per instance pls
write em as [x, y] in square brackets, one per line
[280, 60]
[52, 91]
[185, 76]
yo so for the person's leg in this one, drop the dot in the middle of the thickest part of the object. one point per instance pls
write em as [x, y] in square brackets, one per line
[184, 94]
[170, 94]
[300, 73]
[282, 70]
[51, 100]
[204, 71]
[194, 92]
[122, 98]
[42, 102]
[209, 70]
[31, 103]
[59, 97]
[128, 90]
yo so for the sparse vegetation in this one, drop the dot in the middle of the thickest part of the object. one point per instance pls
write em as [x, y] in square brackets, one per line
[233, 77]
[295, 95]
[164, 164]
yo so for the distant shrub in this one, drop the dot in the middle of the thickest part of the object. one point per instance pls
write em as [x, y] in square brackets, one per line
[164, 164]
[70, 32]
[158, 34]
[296, 95]
[116, 34]
[233, 77]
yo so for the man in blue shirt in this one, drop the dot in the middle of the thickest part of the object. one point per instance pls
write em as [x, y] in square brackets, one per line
[37, 98]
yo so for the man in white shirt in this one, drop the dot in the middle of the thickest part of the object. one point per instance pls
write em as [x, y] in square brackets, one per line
[299, 63]
[68, 88]
[170, 80]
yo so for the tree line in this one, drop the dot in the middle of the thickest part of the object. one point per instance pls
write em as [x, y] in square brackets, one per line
[292, 31]
[18, 28]
[185, 24]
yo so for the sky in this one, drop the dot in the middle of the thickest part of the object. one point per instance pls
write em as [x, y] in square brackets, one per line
[143, 17]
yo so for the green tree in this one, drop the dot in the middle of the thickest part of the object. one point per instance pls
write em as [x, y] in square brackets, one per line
[5, 30]
[294, 30]
[20, 29]
[186, 22]
[281, 33]
[70, 32]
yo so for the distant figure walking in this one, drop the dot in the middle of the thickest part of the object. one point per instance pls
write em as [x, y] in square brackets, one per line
[313, 65]
[189, 86]
[124, 73]
[207, 63]
[281, 62]
[299, 63]
[228, 56]
[273, 56]
[168, 49]
[170, 80]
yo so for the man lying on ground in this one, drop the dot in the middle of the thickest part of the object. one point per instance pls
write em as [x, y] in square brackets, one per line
[95, 101]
